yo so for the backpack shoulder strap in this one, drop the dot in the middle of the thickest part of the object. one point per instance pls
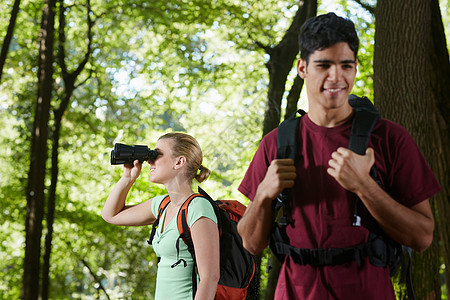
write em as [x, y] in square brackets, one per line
[366, 116]
[183, 227]
[287, 148]
[185, 235]
[364, 120]
[287, 136]
[162, 207]
[214, 204]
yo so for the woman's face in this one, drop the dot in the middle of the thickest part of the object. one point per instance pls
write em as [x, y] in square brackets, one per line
[164, 167]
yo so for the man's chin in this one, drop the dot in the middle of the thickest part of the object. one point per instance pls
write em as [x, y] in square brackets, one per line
[336, 102]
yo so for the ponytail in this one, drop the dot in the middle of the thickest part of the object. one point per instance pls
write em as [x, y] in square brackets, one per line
[203, 174]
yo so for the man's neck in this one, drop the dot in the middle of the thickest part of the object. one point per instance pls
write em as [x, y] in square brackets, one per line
[330, 117]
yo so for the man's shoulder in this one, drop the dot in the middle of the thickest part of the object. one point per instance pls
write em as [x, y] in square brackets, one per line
[390, 128]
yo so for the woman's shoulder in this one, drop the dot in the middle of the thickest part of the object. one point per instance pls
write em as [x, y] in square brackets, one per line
[201, 207]
[200, 202]
[156, 202]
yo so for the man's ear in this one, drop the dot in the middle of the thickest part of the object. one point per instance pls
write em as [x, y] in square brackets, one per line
[301, 68]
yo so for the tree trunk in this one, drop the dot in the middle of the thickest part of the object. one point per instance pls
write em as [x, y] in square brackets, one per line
[8, 36]
[282, 59]
[440, 86]
[36, 177]
[411, 87]
[69, 87]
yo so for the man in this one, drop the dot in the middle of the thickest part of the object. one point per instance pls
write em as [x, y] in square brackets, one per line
[328, 176]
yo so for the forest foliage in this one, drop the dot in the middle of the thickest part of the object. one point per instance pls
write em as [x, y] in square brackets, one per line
[155, 66]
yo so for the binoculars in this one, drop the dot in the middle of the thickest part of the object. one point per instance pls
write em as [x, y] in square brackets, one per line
[127, 154]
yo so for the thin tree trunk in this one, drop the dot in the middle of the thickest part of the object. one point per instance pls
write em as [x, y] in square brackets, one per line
[407, 74]
[69, 85]
[294, 95]
[38, 157]
[8, 36]
[282, 58]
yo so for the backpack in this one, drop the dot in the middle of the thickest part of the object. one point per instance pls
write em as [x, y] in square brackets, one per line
[381, 250]
[237, 266]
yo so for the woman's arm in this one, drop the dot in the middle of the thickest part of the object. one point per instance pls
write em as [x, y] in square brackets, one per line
[116, 212]
[205, 236]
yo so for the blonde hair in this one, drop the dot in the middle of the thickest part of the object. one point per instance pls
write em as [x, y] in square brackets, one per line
[187, 146]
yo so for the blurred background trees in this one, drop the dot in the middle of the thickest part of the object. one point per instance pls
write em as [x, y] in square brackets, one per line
[77, 77]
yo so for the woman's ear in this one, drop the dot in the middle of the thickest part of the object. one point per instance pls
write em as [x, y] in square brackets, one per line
[180, 162]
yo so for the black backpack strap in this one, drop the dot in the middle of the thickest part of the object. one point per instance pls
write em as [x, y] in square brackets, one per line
[282, 208]
[287, 136]
[287, 148]
[205, 195]
[318, 257]
[366, 116]
[162, 207]
[364, 120]
[407, 274]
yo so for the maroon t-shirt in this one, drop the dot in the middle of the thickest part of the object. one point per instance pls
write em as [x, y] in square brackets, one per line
[323, 210]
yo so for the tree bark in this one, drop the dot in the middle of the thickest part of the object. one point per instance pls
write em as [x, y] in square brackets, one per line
[282, 58]
[440, 86]
[411, 87]
[8, 36]
[38, 157]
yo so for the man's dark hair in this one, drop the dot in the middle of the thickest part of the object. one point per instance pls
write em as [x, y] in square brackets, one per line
[325, 31]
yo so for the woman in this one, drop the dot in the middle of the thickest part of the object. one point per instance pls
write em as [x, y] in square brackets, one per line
[177, 164]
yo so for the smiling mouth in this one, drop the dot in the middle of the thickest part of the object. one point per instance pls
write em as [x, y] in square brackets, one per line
[334, 90]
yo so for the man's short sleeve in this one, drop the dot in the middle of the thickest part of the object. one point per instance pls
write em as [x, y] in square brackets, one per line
[257, 169]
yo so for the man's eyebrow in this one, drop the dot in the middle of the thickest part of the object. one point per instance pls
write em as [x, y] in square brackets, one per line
[329, 61]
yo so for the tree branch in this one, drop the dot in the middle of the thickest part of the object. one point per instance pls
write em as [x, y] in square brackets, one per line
[9, 35]
[96, 279]
[369, 8]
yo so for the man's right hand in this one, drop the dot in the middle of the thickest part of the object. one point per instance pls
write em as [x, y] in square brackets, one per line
[279, 176]
[254, 226]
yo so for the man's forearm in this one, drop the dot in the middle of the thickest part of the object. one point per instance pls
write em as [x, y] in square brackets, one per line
[411, 226]
[254, 227]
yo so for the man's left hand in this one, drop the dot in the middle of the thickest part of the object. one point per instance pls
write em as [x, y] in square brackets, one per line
[351, 170]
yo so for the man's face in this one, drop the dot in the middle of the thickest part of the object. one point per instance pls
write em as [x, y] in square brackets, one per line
[329, 76]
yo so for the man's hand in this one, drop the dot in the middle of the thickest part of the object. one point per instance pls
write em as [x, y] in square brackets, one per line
[280, 175]
[254, 226]
[351, 170]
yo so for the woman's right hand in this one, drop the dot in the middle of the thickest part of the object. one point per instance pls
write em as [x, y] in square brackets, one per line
[116, 212]
[132, 171]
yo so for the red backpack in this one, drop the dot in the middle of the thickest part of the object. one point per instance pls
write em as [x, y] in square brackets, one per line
[237, 266]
